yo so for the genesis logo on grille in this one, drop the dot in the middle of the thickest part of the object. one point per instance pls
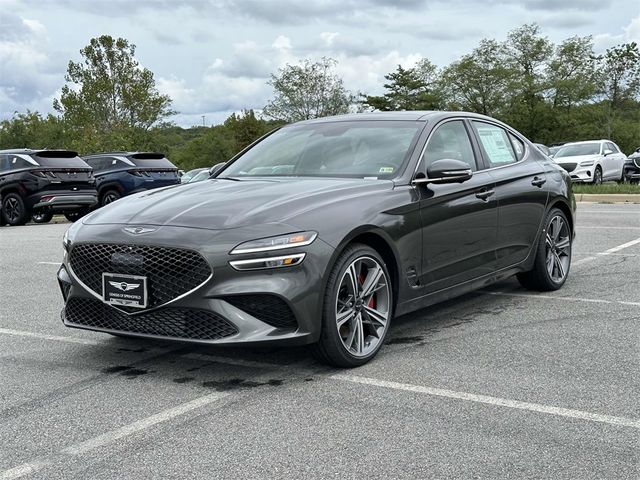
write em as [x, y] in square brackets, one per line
[139, 230]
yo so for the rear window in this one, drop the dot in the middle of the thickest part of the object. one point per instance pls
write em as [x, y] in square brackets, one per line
[151, 160]
[59, 159]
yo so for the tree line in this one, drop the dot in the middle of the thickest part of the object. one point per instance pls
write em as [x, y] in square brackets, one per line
[550, 92]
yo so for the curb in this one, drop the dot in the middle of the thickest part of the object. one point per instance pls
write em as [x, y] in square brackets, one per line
[608, 197]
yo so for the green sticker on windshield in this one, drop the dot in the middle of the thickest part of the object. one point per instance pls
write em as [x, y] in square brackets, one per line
[386, 170]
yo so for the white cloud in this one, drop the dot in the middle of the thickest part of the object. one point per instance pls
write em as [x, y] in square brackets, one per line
[630, 33]
[28, 79]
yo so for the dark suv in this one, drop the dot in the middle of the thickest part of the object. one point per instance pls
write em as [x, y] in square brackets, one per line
[122, 173]
[44, 182]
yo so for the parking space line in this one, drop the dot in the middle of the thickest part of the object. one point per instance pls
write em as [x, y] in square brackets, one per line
[607, 252]
[569, 299]
[496, 401]
[621, 247]
[22, 333]
[113, 436]
[50, 263]
[580, 227]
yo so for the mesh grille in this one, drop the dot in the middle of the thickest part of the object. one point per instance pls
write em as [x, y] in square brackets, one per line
[167, 322]
[170, 272]
[266, 308]
[637, 161]
[569, 167]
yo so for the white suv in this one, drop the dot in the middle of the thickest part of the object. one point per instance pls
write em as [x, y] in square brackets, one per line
[594, 161]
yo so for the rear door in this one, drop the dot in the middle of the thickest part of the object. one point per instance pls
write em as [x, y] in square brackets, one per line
[614, 161]
[459, 220]
[521, 190]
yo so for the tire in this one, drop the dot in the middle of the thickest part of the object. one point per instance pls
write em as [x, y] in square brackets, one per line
[42, 217]
[77, 215]
[109, 196]
[14, 210]
[365, 321]
[597, 176]
[553, 255]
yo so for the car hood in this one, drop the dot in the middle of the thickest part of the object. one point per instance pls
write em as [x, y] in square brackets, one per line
[576, 159]
[219, 204]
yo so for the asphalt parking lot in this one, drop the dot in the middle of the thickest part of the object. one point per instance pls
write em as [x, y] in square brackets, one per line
[502, 383]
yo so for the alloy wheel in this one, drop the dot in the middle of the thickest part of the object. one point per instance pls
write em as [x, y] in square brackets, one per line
[597, 177]
[363, 306]
[12, 209]
[109, 198]
[558, 248]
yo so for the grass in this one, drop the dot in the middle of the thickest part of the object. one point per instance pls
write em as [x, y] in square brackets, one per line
[609, 187]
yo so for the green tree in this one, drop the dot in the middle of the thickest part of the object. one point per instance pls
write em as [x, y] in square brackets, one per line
[527, 53]
[408, 89]
[309, 90]
[245, 128]
[32, 130]
[109, 101]
[480, 82]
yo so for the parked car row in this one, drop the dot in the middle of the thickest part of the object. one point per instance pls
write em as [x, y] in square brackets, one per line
[40, 183]
[595, 161]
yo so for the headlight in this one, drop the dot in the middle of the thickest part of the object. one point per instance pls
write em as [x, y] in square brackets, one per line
[586, 163]
[290, 240]
[269, 262]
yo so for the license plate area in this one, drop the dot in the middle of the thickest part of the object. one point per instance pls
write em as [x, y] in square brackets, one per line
[124, 290]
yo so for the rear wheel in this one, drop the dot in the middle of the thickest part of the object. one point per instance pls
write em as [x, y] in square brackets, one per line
[358, 305]
[553, 255]
[14, 209]
[42, 217]
[109, 196]
[77, 215]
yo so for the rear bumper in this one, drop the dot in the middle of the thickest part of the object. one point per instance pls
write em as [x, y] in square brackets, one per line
[65, 202]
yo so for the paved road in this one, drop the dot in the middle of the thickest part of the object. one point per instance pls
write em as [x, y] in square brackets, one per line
[498, 384]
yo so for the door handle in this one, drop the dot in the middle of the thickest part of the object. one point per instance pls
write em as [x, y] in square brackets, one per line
[538, 181]
[485, 194]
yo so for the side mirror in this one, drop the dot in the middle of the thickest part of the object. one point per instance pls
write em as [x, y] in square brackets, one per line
[608, 152]
[446, 171]
[216, 168]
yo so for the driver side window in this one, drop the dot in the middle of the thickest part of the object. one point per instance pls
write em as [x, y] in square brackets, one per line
[450, 141]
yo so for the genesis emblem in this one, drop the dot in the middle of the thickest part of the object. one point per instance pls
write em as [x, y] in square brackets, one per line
[138, 230]
[124, 286]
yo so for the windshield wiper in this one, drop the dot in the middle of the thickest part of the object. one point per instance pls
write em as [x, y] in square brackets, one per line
[228, 178]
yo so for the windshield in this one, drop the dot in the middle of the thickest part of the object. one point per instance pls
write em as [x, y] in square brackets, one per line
[578, 149]
[337, 149]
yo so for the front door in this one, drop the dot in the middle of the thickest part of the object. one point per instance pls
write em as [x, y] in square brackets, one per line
[459, 220]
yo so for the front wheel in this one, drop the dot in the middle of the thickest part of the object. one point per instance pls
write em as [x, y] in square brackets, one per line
[597, 176]
[553, 255]
[358, 305]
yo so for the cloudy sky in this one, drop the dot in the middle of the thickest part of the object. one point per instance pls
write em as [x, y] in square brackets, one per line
[214, 57]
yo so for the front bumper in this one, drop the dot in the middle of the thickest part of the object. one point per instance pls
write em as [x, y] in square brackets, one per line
[582, 174]
[214, 306]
